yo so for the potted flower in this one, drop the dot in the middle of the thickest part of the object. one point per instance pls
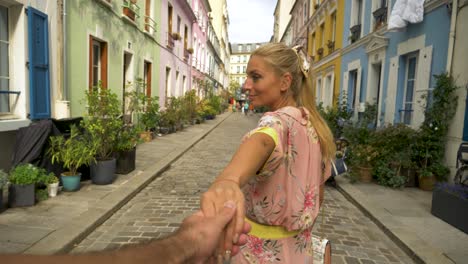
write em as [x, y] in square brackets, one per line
[3, 183]
[149, 118]
[103, 122]
[176, 36]
[72, 153]
[23, 179]
[52, 183]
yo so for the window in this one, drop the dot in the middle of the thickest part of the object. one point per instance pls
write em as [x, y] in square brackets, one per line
[410, 80]
[178, 24]
[313, 44]
[322, 35]
[150, 24]
[147, 68]
[318, 91]
[184, 84]
[248, 47]
[333, 31]
[243, 69]
[238, 69]
[98, 62]
[169, 19]
[168, 82]
[239, 48]
[353, 80]
[185, 37]
[177, 83]
[4, 61]
[357, 12]
[304, 9]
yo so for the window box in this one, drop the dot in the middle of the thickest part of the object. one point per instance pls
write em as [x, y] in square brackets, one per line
[150, 25]
[331, 45]
[316, 6]
[355, 33]
[320, 51]
[131, 9]
[380, 16]
[190, 50]
[170, 40]
[450, 203]
[176, 36]
[186, 54]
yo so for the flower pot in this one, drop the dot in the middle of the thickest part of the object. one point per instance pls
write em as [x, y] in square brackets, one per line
[146, 136]
[451, 208]
[365, 174]
[426, 183]
[410, 175]
[103, 172]
[21, 195]
[70, 183]
[126, 161]
[52, 189]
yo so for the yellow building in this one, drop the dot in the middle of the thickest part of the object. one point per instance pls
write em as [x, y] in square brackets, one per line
[325, 39]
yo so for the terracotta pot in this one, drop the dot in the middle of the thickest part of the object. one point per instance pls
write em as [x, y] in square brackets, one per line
[365, 174]
[427, 183]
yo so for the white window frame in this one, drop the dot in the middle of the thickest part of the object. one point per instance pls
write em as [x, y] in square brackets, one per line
[8, 61]
[318, 90]
[404, 114]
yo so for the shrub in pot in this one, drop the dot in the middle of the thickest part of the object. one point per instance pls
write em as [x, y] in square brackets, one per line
[73, 152]
[3, 183]
[52, 183]
[126, 149]
[103, 122]
[149, 118]
[23, 179]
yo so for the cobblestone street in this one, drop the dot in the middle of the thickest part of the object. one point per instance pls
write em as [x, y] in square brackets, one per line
[161, 206]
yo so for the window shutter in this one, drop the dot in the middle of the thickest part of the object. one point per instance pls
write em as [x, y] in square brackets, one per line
[38, 47]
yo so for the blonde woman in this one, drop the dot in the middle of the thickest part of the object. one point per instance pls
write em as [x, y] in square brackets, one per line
[277, 175]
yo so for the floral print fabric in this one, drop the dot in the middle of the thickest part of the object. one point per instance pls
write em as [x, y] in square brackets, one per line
[285, 191]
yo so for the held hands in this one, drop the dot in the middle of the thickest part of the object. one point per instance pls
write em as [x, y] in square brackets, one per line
[212, 202]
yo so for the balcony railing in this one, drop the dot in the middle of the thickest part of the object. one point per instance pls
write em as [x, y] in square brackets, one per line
[380, 16]
[170, 40]
[131, 10]
[355, 33]
[150, 25]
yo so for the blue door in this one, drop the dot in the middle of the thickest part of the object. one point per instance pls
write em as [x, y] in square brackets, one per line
[38, 47]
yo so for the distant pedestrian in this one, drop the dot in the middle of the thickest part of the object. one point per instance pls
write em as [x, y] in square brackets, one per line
[246, 108]
[242, 107]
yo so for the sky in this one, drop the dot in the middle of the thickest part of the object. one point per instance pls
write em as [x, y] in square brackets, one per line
[250, 20]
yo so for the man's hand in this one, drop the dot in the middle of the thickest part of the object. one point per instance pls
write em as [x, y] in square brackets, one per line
[202, 233]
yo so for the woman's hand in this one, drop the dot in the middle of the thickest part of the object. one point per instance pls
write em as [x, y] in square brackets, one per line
[212, 202]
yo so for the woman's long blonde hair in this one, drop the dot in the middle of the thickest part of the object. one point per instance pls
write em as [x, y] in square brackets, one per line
[284, 59]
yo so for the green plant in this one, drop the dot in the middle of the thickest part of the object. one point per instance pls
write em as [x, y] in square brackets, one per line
[128, 138]
[41, 195]
[363, 155]
[336, 116]
[151, 115]
[73, 152]
[429, 145]
[388, 176]
[102, 121]
[191, 104]
[3, 179]
[49, 178]
[25, 174]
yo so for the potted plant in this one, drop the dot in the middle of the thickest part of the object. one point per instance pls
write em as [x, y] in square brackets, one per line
[363, 156]
[23, 179]
[450, 203]
[190, 50]
[176, 36]
[3, 183]
[103, 122]
[320, 51]
[126, 149]
[72, 153]
[52, 183]
[149, 118]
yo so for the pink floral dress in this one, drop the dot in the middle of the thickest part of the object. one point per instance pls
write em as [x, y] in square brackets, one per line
[285, 191]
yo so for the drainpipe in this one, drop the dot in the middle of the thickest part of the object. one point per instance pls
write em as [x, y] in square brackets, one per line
[453, 23]
[64, 30]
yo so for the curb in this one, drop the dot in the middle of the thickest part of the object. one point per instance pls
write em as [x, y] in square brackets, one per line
[418, 250]
[64, 238]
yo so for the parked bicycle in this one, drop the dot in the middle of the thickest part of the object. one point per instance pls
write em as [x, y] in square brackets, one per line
[461, 176]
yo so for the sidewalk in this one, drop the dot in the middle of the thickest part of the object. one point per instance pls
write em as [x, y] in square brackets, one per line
[54, 225]
[405, 216]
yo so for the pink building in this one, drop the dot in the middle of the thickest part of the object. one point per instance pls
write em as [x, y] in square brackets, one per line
[177, 18]
[200, 66]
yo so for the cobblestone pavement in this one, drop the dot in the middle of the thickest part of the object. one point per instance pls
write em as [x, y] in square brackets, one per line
[160, 207]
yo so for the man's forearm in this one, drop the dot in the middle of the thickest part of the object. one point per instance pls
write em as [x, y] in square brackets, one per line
[169, 250]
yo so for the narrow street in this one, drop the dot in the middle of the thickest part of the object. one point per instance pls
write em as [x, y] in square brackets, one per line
[159, 208]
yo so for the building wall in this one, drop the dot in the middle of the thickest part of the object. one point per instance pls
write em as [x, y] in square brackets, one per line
[19, 73]
[284, 16]
[201, 57]
[92, 18]
[459, 128]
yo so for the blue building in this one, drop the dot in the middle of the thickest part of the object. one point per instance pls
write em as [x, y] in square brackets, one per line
[392, 69]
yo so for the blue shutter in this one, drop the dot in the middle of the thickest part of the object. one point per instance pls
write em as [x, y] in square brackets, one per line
[38, 47]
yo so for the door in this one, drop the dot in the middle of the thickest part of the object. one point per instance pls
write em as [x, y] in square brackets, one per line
[38, 47]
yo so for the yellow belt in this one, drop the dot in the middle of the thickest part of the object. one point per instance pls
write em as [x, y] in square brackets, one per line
[270, 232]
